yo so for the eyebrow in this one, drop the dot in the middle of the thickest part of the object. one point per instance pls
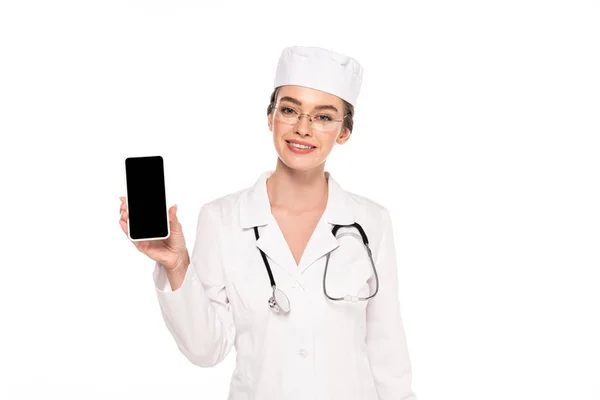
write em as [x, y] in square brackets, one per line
[298, 103]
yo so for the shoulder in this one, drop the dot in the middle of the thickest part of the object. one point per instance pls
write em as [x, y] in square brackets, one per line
[225, 204]
[364, 206]
[227, 201]
[374, 217]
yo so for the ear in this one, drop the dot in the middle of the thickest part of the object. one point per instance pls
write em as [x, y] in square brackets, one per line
[270, 121]
[344, 136]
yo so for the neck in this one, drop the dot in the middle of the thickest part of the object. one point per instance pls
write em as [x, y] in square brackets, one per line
[297, 191]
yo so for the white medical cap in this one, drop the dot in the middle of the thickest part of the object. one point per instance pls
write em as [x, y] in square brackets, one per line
[320, 69]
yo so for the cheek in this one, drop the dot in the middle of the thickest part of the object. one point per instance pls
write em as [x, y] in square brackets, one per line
[279, 133]
[327, 143]
[325, 149]
[280, 129]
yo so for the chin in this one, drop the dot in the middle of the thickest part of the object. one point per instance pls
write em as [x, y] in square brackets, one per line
[298, 164]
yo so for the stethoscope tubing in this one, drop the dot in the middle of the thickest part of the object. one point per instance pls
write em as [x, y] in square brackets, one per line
[365, 240]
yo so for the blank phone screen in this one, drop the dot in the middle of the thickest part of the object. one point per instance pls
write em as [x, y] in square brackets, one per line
[146, 197]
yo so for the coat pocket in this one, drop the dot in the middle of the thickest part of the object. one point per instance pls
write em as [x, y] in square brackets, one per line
[349, 279]
[348, 269]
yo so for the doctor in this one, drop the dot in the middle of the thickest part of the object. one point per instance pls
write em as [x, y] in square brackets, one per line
[280, 231]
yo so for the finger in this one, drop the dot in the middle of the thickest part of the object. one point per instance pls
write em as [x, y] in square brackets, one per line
[173, 214]
[174, 221]
[123, 225]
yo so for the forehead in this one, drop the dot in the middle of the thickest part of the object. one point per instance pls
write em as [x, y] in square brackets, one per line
[309, 97]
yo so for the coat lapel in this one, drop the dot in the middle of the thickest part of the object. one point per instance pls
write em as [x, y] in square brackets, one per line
[337, 211]
[255, 210]
[320, 243]
[273, 243]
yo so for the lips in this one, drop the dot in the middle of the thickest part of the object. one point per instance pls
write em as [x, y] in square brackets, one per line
[302, 143]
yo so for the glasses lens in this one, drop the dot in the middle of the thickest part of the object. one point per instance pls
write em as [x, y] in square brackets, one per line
[287, 115]
[324, 122]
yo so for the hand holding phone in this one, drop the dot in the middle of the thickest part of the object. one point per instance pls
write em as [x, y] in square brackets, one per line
[146, 198]
[154, 230]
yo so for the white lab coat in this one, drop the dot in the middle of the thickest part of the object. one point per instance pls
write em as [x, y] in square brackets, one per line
[321, 349]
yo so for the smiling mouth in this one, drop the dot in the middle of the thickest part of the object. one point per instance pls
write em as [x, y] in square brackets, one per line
[300, 146]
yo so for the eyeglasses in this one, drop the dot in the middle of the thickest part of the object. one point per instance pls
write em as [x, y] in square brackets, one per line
[320, 122]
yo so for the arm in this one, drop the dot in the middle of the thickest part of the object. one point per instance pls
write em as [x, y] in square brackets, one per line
[386, 342]
[197, 313]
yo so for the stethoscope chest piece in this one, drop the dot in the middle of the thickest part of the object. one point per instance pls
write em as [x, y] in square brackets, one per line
[279, 301]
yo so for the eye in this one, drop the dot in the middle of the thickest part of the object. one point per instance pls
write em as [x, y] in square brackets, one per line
[288, 110]
[324, 117]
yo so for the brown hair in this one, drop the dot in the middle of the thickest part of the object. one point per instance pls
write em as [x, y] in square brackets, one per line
[348, 109]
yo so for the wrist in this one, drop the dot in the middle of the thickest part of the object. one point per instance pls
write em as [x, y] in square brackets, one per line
[180, 266]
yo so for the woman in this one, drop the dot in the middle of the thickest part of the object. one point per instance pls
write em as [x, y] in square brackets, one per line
[278, 234]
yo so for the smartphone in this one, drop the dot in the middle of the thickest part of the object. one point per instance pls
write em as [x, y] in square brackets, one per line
[146, 198]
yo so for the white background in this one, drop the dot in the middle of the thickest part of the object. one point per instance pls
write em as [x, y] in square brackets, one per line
[484, 115]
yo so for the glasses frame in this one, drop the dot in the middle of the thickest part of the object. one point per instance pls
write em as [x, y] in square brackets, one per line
[310, 117]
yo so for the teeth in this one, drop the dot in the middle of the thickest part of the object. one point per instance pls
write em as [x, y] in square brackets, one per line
[300, 146]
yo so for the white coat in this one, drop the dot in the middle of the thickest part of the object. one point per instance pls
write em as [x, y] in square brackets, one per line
[321, 349]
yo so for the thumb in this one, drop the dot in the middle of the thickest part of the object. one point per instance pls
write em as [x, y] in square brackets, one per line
[173, 213]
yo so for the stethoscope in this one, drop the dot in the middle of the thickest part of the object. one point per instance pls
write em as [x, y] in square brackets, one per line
[280, 302]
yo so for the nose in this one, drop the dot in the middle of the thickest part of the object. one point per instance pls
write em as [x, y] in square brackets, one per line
[304, 125]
